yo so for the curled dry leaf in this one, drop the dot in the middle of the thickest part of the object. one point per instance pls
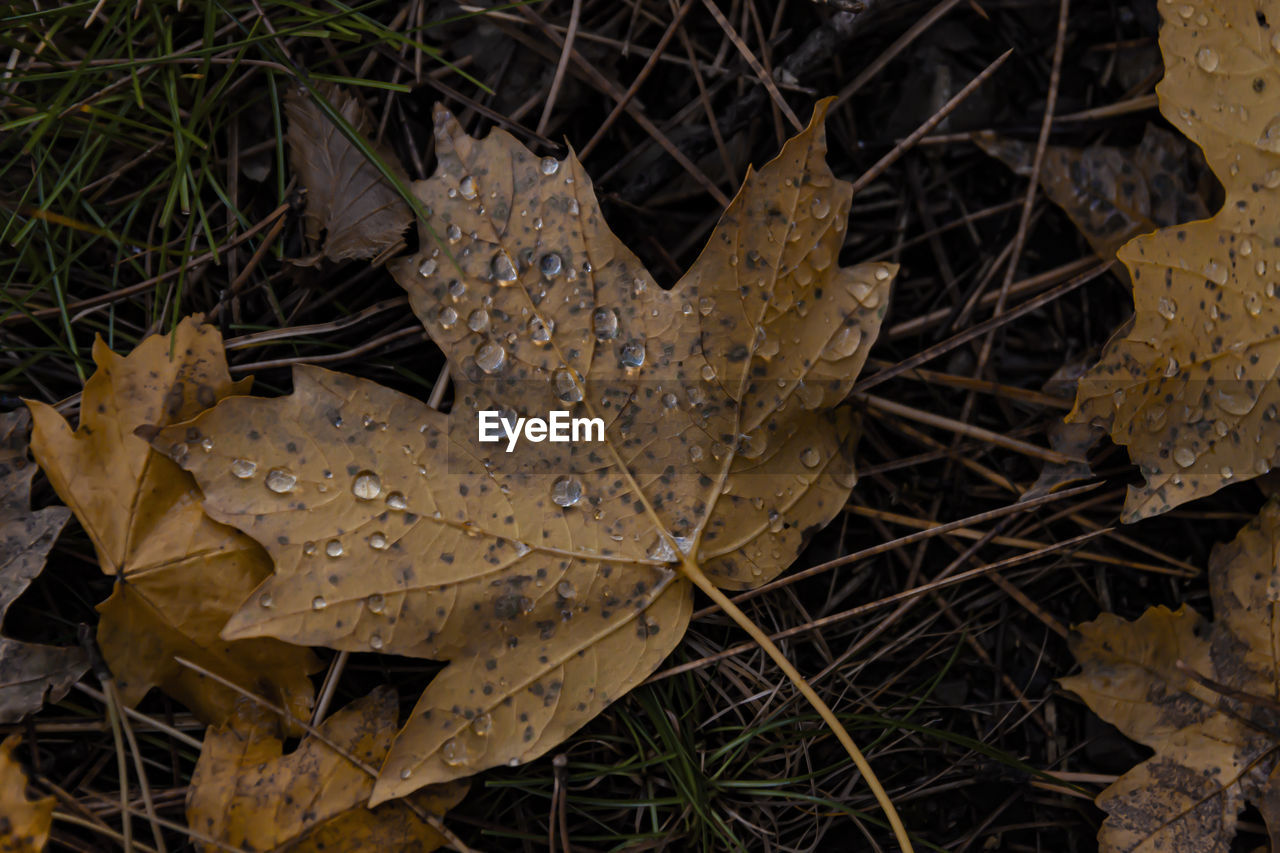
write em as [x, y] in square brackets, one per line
[349, 200]
[179, 574]
[1189, 385]
[554, 578]
[1113, 194]
[24, 824]
[28, 671]
[1214, 734]
[247, 794]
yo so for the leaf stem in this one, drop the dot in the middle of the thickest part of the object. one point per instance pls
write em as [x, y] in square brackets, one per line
[694, 573]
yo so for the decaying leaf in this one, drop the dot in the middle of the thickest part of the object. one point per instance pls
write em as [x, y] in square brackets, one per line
[28, 671]
[1189, 386]
[1113, 194]
[348, 200]
[247, 794]
[1215, 746]
[24, 824]
[553, 578]
[179, 574]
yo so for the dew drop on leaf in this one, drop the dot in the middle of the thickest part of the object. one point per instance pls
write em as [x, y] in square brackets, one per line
[397, 502]
[550, 264]
[604, 322]
[478, 320]
[243, 468]
[447, 316]
[318, 603]
[565, 589]
[550, 165]
[566, 388]
[333, 548]
[566, 491]
[631, 354]
[281, 480]
[490, 357]
[467, 187]
[810, 457]
[376, 603]
[366, 486]
[1184, 456]
[378, 541]
[504, 271]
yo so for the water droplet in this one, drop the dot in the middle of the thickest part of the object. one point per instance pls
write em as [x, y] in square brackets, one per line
[453, 753]
[1253, 305]
[662, 551]
[775, 521]
[453, 233]
[1207, 58]
[1270, 139]
[882, 273]
[706, 305]
[378, 541]
[375, 642]
[502, 268]
[1271, 179]
[550, 265]
[406, 773]
[632, 354]
[265, 600]
[669, 400]
[427, 267]
[604, 322]
[447, 317]
[318, 603]
[565, 589]
[280, 480]
[366, 486]
[566, 491]
[376, 603]
[1227, 473]
[457, 289]
[1166, 308]
[573, 207]
[243, 468]
[695, 453]
[540, 330]
[820, 207]
[333, 548]
[482, 724]
[467, 187]
[1171, 367]
[1184, 456]
[844, 342]
[550, 165]
[1246, 247]
[478, 320]
[708, 372]
[397, 502]
[810, 457]
[490, 357]
[566, 388]
[178, 452]
[309, 548]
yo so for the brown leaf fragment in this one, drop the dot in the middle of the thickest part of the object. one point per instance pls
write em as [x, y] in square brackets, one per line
[1214, 733]
[1189, 387]
[179, 573]
[29, 672]
[1113, 194]
[247, 794]
[553, 578]
[24, 823]
[349, 200]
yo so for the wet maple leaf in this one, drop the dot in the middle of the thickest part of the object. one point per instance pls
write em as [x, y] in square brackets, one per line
[1202, 695]
[358, 211]
[29, 672]
[246, 793]
[179, 573]
[24, 823]
[557, 577]
[1189, 385]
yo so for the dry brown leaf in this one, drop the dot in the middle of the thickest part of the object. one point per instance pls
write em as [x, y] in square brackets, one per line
[24, 824]
[179, 574]
[29, 672]
[1213, 752]
[247, 794]
[348, 200]
[556, 578]
[1113, 194]
[1189, 386]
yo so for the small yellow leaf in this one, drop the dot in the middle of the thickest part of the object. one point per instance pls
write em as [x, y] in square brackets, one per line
[179, 574]
[1201, 695]
[247, 794]
[24, 824]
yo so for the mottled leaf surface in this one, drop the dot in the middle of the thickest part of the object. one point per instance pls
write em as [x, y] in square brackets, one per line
[1213, 741]
[24, 823]
[349, 201]
[1189, 386]
[248, 794]
[29, 672]
[179, 573]
[552, 577]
